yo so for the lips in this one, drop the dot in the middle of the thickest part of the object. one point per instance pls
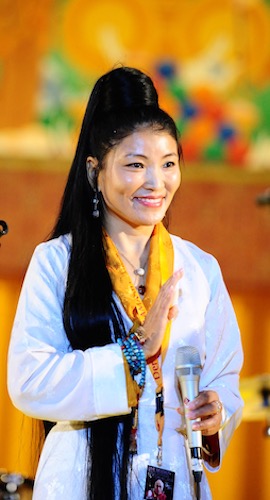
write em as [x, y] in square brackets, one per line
[150, 202]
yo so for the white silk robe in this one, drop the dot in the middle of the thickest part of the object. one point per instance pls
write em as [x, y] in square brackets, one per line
[50, 381]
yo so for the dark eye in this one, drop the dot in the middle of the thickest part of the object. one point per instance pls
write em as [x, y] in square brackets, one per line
[169, 164]
[135, 165]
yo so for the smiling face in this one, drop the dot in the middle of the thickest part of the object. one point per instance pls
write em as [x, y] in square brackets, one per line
[139, 178]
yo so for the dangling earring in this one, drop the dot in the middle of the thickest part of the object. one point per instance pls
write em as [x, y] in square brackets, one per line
[92, 174]
[95, 212]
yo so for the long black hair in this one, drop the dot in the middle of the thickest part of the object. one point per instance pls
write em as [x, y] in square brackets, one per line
[121, 102]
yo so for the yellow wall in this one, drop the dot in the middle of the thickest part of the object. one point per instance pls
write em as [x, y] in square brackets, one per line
[15, 428]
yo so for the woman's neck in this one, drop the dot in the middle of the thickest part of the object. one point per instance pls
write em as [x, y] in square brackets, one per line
[133, 245]
[130, 241]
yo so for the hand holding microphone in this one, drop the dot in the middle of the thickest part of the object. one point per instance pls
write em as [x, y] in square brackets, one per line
[188, 369]
[205, 412]
[202, 410]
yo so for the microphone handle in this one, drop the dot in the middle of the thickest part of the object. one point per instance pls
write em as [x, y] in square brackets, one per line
[190, 390]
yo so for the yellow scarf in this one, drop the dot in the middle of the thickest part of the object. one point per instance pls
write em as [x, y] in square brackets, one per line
[160, 268]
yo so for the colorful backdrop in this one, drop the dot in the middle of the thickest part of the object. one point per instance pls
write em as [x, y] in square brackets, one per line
[210, 60]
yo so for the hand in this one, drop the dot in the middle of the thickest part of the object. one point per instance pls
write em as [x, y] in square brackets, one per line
[208, 408]
[163, 310]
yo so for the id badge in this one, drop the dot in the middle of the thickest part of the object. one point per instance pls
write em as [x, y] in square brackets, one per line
[159, 483]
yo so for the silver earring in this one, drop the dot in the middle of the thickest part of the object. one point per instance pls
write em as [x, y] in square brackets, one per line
[95, 212]
[92, 177]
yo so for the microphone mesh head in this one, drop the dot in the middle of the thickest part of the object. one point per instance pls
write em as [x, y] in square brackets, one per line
[187, 355]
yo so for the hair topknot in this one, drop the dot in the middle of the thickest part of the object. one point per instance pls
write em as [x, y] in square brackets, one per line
[122, 100]
[124, 88]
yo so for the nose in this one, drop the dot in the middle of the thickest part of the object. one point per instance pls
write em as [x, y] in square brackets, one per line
[154, 178]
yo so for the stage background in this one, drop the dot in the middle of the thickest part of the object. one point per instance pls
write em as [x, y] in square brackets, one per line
[211, 63]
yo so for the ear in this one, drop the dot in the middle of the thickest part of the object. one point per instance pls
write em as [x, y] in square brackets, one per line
[92, 171]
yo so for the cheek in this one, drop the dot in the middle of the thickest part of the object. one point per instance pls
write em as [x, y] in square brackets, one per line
[129, 180]
[175, 181]
[114, 180]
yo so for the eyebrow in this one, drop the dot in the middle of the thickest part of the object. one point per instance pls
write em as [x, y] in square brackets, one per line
[131, 155]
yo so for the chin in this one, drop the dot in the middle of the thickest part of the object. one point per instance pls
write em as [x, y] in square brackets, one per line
[152, 221]
[144, 219]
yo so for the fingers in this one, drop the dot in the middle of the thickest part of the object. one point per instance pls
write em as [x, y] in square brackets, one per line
[157, 318]
[168, 294]
[164, 307]
[180, 410]
[209, 425]
[204, 399]
[173, 311]
[208, 409]
[173, 280]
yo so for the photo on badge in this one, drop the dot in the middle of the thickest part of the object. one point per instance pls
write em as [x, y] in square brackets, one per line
[159, 483]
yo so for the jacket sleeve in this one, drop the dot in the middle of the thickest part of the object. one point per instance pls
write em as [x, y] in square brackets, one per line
[224, 357]
[46, 378]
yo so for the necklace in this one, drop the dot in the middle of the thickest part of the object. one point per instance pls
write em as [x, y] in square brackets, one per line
[139, 271]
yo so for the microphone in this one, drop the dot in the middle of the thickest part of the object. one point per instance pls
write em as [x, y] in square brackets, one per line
[264, 198]
[3, 228]
[188, 369]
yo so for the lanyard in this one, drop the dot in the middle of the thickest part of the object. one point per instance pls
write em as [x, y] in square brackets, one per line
[155, 365]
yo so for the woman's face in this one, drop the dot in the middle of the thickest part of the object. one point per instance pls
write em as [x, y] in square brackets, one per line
[140, 177]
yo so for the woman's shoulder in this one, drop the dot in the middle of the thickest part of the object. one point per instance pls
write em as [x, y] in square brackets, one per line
[53, 253]
[190, 250]
[188, 246]
[60, 245]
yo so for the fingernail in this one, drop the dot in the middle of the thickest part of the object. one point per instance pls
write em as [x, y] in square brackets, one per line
[177, 273]
[186, 401]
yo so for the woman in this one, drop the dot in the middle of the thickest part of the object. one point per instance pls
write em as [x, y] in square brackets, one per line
[104, 306]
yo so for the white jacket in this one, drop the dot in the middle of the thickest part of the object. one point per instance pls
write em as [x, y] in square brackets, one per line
[50, 381]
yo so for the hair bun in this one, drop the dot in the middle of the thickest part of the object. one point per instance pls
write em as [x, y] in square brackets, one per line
[124, 88]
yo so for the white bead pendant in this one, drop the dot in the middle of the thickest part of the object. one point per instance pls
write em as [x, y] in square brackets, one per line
[139, 272]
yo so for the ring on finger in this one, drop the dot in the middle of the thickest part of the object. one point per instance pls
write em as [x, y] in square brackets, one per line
[219, 407]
